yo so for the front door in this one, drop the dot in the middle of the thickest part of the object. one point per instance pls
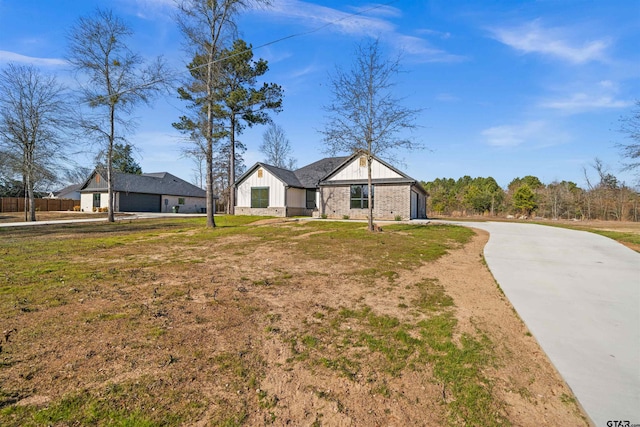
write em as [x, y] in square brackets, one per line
[96, 200]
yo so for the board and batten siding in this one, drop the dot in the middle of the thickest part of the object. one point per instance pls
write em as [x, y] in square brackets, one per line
[97, 183]
[357, 171]
[86, 201]
[276, 189]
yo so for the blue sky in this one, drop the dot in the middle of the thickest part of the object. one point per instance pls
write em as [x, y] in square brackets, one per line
[505, 88]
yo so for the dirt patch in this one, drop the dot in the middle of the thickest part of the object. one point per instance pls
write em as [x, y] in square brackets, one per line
[262, 328]
[272, 221]
[524, 377]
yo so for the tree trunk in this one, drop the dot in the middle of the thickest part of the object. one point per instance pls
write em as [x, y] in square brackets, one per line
[369, 192]
[211, 208]
[110, 196]
[26, 199]
[232, 168]
[29, 181]
[32, 201]
[211, 222]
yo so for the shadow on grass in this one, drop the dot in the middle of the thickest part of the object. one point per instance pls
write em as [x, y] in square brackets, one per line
[124, 226]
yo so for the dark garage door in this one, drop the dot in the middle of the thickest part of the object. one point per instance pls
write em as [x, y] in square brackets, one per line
[139, 202]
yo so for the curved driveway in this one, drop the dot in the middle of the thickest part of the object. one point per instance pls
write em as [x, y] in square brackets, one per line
[579, 295]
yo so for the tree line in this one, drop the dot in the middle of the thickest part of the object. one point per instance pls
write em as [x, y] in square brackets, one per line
[42, 122]
[220, 90]
[604, 199]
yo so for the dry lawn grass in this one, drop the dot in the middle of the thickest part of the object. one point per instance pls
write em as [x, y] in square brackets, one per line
[315, 323]
[6, 217]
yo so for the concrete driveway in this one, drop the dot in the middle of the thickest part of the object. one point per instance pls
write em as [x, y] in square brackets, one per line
[579, 295]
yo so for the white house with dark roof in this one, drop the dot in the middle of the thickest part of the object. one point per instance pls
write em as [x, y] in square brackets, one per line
[148, 192]
[70, 192]
[334, 186]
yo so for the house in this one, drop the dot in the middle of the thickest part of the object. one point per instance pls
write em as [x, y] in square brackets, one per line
[334, 187]
[148, 192]
[70, 192]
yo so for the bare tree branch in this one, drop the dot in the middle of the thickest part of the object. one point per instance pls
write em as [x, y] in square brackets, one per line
[34, 116]
[630, 125]
[115, 81]
[277, 148]
[365, 115]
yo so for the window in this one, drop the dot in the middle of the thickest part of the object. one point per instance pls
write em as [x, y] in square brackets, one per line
[359, 196]
[259, 197]
[363, 161]
[96, 200]
[311, 199]
[260, 173]
[181, 200]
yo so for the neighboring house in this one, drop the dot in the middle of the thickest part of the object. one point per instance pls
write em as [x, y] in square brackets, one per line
[334, 186]
[148, 192]
[71, 192]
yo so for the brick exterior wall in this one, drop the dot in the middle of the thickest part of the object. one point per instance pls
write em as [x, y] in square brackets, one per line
[388, 202]
[279, 212]
[299, 211]
[242, 210]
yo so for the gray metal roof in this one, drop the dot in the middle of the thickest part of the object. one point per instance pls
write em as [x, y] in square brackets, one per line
[149, 183]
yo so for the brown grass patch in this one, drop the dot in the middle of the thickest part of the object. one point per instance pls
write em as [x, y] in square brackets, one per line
[301, 324]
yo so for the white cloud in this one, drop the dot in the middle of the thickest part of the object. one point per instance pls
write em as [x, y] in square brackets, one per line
[380, 10]
[150, 9]
[317, 16]
[580, 102]
[536, 133]
[584, 97]
[301, 72]
[325, 18]
[558, 42]
[420, 50]
[6, 56]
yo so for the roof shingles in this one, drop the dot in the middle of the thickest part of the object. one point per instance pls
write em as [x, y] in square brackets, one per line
[151, 183]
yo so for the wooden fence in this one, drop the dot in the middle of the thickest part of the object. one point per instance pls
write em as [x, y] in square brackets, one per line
[16, 204]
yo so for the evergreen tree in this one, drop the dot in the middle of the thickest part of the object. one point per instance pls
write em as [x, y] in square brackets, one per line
[524, 200]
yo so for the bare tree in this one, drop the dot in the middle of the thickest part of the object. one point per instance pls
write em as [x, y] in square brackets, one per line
[115, 81]
[33, 115]
[365, 115]
[630, 125]
[196, 154]
[277, 148]
[76, 174]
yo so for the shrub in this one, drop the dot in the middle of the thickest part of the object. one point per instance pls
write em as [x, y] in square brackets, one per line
[398, 218]
[324, 216]
[345, 216]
